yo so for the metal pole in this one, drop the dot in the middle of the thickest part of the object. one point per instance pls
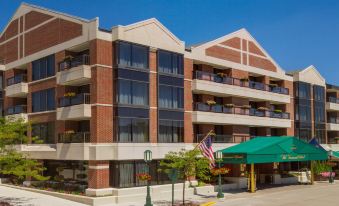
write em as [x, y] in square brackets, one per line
[220, 194]
[148, 197]
[312, 173]
[172, 193]
[252, 179]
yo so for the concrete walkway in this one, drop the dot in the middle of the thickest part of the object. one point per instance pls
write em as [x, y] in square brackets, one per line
[25, 198]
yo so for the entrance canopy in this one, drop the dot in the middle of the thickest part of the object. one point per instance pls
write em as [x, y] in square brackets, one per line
[272, 149]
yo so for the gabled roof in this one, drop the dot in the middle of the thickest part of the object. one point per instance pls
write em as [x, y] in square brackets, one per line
[149, 32]
[309, 75]
[25, 8]
[243, 34]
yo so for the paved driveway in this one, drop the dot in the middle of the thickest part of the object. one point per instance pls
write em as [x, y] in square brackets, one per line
[321, 194]
[26, 198]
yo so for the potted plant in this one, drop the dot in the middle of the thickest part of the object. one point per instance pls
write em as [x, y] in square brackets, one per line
[263, 109]
[277, 111]
[220, 171]
[229, 105]
[246, 106]
[69, 94]
[143, 177]
[220, 74]
[210, 102]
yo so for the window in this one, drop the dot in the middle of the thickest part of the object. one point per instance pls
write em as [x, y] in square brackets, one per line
[171, 97]
[44, 132]
[171, 63]
[303, 90]
[132, 55]
[133, 130]
[319, 93]
[132, 92]
[43, 100]
[171, 131]
[43, 68]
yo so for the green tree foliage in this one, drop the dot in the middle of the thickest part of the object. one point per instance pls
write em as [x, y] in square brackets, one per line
[13, 163]
[320, 166]
[188, 163]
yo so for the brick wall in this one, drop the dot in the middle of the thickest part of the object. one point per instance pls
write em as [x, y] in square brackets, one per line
[153, 97]
[98, 174]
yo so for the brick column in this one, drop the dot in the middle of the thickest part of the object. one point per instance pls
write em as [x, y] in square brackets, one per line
[101, 58]
[153, 97]
[98, 179]
[188, 101]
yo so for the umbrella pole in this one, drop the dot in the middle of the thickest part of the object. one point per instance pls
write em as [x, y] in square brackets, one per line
[312, 173]
[252, 179]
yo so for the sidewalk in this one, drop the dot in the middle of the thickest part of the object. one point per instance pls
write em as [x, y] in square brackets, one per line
[25, 198]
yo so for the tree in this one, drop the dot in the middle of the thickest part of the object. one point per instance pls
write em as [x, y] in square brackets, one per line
[12, 162]
[188, 163]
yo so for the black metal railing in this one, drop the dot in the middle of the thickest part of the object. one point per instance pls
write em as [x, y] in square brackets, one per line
[333, 100]
[74, 137]
[74, 62]
[83, 98]
[199, 106]
[333, 120]
[17, 79]
[222, 138]
[240, 82]
[16, 109]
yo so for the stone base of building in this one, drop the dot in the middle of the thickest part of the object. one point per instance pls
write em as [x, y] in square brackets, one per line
[99, 192]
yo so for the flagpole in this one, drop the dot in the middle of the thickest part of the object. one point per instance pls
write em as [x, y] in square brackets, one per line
[203, 139]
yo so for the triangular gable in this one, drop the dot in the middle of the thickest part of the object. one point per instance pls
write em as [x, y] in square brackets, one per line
[149, 32]
[310, 75]
[241, 48]
[35, 15]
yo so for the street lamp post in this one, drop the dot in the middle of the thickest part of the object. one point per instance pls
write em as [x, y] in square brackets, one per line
[219, 159]
[148, 159]
[330, 154]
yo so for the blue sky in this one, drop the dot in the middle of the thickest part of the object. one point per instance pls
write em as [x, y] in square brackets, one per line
[295, 33]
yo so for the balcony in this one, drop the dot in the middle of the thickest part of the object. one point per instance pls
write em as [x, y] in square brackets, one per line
[214, 84]
[75, 71]
[224, 138]
[17, 112]
[220, 114]
[332, 124]
[17, 86]
[332, 104]
[75, 107]
[74, 137]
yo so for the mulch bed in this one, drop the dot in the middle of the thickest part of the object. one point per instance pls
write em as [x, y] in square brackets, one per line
[5, 204]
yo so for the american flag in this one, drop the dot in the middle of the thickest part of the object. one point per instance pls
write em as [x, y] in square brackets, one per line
[207, 151]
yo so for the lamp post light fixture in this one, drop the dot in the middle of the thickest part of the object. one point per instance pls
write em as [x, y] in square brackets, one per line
[218, 155]
[148, 159]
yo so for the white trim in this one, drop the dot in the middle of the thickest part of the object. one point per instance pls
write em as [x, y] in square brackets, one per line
[153, 107]
[100, 167]
[101, 65]
[103, 105]
[41, 80]
[153, 72]
[188, 80]
[44, 112]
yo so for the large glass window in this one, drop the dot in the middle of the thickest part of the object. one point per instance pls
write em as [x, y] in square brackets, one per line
[44, 131]
[303, 90]
[43, 68]
[171, 63]
[132, 55]
[43, 100]
[319, 103]
[133, 130]
[171, 131]
[171, 97]
[132, 92]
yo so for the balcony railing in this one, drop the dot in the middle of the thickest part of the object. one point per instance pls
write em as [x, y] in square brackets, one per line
[224, 138]
[76, 137]
[16, 109]
[238, 82]
[333, 120]
[17, 79]
[83, 98]
[199, 106]
[74, 62]
[333, 100]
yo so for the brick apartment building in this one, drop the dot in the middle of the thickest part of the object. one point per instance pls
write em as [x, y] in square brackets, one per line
[99, 98]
